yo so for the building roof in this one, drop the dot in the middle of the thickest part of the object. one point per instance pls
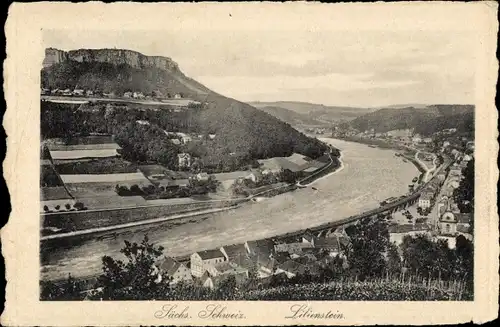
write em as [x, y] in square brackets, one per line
[210, 254]
[82, 154]
[330, 243]
[463, 228]
[293, 267]
[234, 250]
[170, 266]
[463, 218]
[407, 228]
[265, 247]
[243, 261]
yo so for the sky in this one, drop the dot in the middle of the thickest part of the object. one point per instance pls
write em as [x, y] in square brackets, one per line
[368, 68]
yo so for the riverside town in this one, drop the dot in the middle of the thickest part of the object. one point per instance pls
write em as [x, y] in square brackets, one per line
[156, 187]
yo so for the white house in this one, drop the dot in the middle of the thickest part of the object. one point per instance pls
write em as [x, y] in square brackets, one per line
[398, 232]
[177, 96]
[184, 160]
[78, 91]
[416, 139]
[445, 144]
[206, 261]
[424, 201]
[255, 176]
[202, 177]
[127, 94]
[138, 95]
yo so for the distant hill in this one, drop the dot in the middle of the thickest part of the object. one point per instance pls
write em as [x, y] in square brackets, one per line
[239, 126]
[291, 117]
[318, 112]
[425, 121]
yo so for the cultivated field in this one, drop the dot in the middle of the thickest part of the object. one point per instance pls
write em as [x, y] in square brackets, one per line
[112, 201]
[106, 178]
[53, 193]
[82, 154]
[72, 147]
[95, 166]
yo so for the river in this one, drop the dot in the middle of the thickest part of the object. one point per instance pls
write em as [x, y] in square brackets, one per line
[368, 176]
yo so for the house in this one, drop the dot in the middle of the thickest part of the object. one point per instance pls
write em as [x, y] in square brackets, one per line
[455, 171]
[184, 160]
[424, 201]
[142, 122]
[463, 222]
[203, 177]
[467, 158]
[416, 139]
[398, 232]
[176, 271]
[67, 92]
[138, 95]
[229, 268]
[255, 176]
[265, 266]
[213, 282]
[332, 244]
[446, 144]
[79, 92]
[292, 248]
[427, 140]
[211, 136]
[291, 268]
[127, 94]
[207, 281]
[205, 261]
[184, 137]
[177, 96]
[441, 177]
[89, 93]
[175, 141]
[233, 251]
[448, 223]
[263, 248]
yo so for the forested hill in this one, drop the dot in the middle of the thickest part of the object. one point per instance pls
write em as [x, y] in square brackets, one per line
[240, 128]
[425, 121]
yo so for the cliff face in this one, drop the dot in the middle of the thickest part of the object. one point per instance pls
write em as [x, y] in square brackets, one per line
[112, 56]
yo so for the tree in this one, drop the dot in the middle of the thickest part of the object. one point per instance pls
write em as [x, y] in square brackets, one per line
[57, 207]
[464, 194]
[226, 288]
[394, 263]
[45, 208]
[369, 243]
[78, 206]
[68, 206]
[68, 290]
[137, 278]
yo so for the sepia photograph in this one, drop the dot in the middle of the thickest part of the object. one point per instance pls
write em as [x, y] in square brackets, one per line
[284, 170]
[295, 165]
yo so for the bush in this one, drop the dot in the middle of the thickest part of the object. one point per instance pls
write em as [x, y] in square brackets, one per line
[78, 205]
